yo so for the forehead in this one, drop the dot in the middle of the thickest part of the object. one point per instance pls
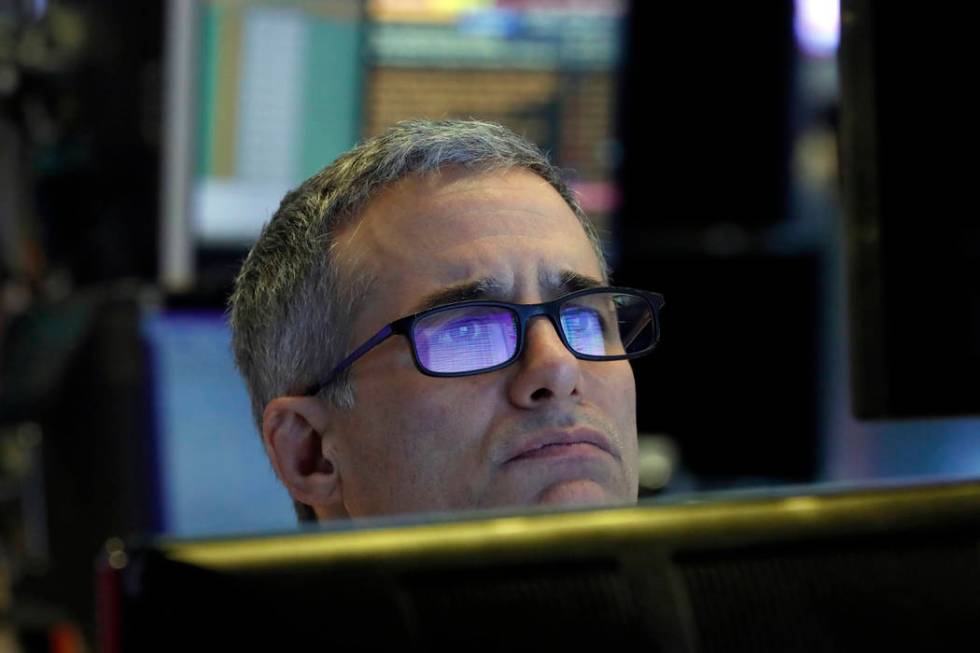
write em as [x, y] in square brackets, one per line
[452, 226]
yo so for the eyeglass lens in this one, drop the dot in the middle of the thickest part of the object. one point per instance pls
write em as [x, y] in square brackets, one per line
[471, 338]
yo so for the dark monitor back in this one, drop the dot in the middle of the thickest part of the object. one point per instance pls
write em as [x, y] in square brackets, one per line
[875, 569]
[909, 137]
[703, 119]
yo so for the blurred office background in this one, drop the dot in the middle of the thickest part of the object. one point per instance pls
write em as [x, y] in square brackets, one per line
[143, 145]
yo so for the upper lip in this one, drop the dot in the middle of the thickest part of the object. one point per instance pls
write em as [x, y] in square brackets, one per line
[562, 436]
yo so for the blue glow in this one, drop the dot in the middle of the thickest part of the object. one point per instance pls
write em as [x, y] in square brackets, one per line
[465, 340]
[213, 470]
[948, 447]
[817, 27]
[583, 330]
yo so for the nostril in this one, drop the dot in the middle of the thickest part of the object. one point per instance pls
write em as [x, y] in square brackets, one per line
[541, 393]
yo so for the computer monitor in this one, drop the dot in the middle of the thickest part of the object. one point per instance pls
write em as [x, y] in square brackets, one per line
[877, 568]
[259, 95]
[210, 472]
[908, 119]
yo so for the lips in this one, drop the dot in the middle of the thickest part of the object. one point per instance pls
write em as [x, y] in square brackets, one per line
[580, 441]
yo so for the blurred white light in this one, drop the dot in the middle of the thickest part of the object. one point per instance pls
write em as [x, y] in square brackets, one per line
[817, 26]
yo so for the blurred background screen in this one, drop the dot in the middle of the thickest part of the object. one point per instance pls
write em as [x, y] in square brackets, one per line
[278, 93]
[267, 93]
[212, 481]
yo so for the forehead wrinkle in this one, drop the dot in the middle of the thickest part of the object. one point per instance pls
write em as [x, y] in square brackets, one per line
[551, 283]
[508, 216]
[422, 235]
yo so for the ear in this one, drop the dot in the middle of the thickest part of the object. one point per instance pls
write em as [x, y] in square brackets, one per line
[292, 430]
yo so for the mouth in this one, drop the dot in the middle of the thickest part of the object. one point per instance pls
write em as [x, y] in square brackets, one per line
[558, 444]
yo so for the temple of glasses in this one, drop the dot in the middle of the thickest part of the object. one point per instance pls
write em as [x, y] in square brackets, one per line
[474, 337]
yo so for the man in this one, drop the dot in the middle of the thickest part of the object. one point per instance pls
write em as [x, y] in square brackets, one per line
[468, 405]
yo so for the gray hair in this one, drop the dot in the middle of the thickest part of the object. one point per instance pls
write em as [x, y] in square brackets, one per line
[293, 305]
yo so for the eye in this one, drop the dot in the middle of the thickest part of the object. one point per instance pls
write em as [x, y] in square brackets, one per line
[584, 329]
[459, 331]
[584, 317]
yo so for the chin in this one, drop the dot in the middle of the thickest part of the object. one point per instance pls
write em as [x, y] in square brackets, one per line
[582, 492]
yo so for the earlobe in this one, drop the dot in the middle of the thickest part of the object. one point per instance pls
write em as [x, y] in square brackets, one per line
[292, 429]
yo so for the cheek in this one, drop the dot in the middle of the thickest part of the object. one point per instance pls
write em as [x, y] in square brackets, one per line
[409, 403]
[616, 390]
[448, 417]
[414, 439]
[388, 424]
[629, 395]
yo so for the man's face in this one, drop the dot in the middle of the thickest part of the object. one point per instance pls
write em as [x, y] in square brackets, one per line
[548, 429]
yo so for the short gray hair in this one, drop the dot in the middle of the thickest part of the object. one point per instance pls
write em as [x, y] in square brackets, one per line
[293, 305]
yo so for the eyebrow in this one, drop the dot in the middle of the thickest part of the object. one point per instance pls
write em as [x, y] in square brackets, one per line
[485, 288]
[567, 282]
[563, 283]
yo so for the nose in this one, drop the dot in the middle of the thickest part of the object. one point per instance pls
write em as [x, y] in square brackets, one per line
[547, 371]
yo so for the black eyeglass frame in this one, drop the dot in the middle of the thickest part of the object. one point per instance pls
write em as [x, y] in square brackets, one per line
[524, 312]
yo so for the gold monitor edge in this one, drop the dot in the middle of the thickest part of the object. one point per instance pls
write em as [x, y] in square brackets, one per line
[713, 523]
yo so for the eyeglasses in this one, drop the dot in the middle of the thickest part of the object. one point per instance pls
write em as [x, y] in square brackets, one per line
[473, 337]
